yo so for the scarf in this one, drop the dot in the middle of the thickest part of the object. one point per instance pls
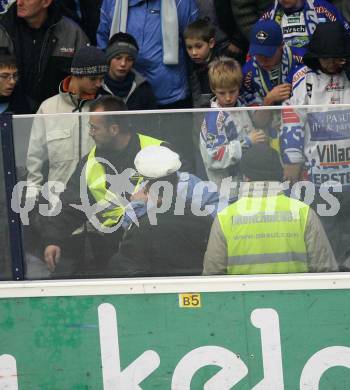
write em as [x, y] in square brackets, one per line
[310, 15]
[169, 24]
[120, 88]
[261, 77]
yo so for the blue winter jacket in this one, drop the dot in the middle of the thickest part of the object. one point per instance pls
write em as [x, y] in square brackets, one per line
[169, 82]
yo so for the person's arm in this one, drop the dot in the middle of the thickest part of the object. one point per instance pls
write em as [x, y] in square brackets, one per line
[37, 155]
[215, 258]
[220, 153]
[104, 27]
[319, 251]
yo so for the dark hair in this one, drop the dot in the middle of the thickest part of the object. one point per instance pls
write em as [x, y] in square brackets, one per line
[201, 29]
[7, 60]
[173, 179]
[111, 103]
[123, 37]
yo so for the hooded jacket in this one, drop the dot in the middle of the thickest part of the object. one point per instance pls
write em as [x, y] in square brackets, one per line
[140, 96]
[60, 36]
[320, 135]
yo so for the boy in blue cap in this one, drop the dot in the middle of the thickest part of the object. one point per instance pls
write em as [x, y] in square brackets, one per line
[267, 75]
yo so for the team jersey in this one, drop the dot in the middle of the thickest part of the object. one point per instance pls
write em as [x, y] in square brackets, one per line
[298, 27]
[319, 136]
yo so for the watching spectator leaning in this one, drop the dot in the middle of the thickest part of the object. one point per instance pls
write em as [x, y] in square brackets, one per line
[267, 76]
[201, 47]
[122, 79]
[117, 145]
[318, 138]
[12, 98]
[173, 244]
[299, 18]
[225, 134]
[157, 26]
[61, 141]
[43, 42]
[266, 232]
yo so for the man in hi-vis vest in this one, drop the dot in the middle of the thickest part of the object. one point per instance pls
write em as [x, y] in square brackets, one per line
[99, 191]
[264, 231]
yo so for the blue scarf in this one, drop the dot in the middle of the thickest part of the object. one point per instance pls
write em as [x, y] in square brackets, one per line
[261, 77]
[310, 15]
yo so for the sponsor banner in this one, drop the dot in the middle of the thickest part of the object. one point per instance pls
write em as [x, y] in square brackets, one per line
[329, 126]
[280, 340]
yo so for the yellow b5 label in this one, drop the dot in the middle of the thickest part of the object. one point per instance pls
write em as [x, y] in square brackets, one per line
[190, 300]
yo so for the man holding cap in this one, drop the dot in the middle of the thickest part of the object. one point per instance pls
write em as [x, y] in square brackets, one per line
[166, 242]
[267, 75]
[122, 79]
[266, 232]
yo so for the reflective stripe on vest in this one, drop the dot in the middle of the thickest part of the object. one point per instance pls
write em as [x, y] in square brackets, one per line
[113, 209]
[265, 235]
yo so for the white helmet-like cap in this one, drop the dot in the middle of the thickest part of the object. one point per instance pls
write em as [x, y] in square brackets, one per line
[155, 162]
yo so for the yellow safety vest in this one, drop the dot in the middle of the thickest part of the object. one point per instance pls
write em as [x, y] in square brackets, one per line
[96, 182]
[269, 239]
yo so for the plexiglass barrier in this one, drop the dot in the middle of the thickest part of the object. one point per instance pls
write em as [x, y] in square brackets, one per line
[5, 257]
[87, 212]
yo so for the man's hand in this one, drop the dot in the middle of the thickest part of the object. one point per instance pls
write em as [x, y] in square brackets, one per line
[258, 136]
[52, 256]
[278, 94]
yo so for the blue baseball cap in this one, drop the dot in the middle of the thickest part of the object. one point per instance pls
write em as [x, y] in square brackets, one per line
[265, 38]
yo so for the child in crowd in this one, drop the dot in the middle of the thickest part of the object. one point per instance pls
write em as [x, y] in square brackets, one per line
[201, 47]
[224, 135]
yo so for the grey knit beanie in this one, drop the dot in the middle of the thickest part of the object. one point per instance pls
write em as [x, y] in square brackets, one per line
[89, 61]
[121, 43]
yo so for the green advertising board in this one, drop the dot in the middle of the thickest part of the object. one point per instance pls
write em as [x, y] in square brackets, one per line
[188, 337]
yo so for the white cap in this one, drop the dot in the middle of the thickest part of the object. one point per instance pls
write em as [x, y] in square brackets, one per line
[155, 162]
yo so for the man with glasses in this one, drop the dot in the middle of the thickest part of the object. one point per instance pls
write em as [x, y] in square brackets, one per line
[12, 98]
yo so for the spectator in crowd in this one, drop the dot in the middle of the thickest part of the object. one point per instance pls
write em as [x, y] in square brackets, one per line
[173, 244]
[320, 137]
[43, 42]
[267, 76]
[266, 232]
[157, 26]
[299, 18]
[122, 79]
[115, 151]
[12, 98]
[62, 141]
[225, 134]
[86, 13]
[208, 10]
[201, 48]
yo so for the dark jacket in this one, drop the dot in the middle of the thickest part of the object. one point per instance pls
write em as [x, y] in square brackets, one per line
[140, 96]
[175, 246]
[199, 80]
[89, 16]
[44, 55]
[17, 103]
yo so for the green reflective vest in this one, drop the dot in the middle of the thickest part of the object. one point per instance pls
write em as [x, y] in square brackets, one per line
[265, 235]
[112, 206]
